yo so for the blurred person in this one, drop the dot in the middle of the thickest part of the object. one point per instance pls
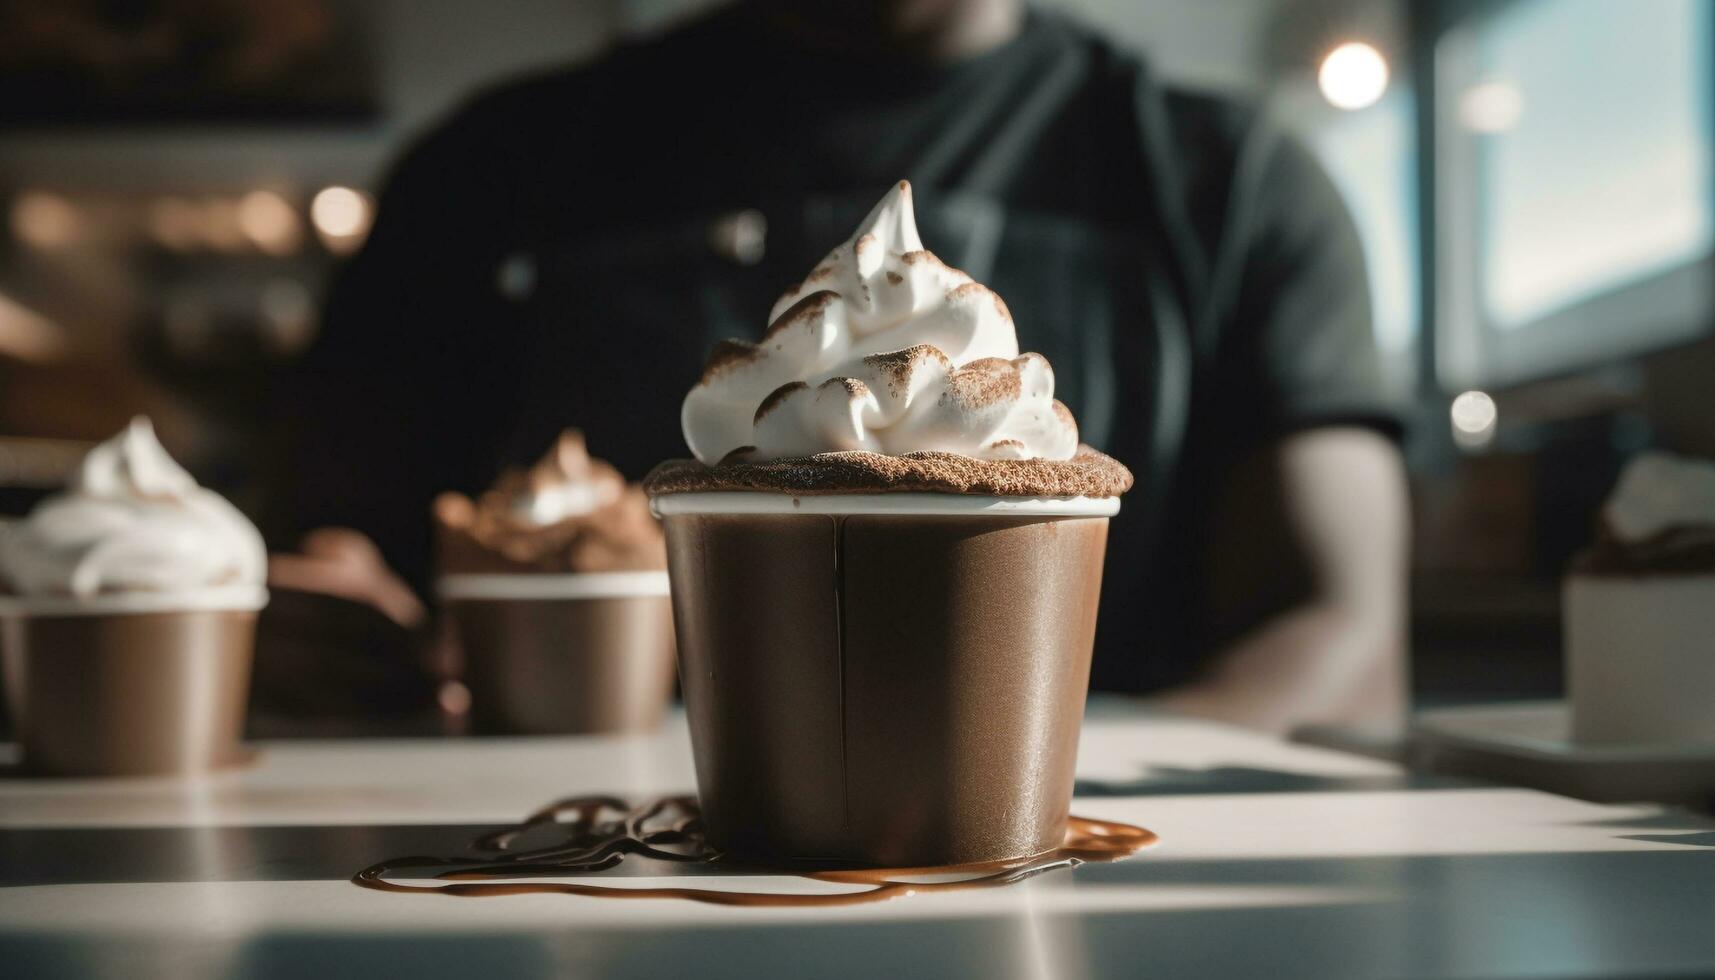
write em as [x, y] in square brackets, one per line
[339, 648]
[341, 562]
[565, 249]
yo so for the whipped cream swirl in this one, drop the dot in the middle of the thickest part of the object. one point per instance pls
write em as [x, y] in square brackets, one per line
[563, 484]
[1659, 492]
[132, 521]
[885, 349]
[568, 513]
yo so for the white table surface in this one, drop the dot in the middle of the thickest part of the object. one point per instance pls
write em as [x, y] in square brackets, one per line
[1276, 860]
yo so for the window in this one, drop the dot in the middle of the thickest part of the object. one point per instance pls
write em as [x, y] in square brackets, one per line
[1370, 156]
[1575, 190]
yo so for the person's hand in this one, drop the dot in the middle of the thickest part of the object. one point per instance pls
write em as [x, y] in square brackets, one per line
[344, 563]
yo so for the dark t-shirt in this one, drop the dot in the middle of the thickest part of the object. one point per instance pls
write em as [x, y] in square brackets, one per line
[552, 256]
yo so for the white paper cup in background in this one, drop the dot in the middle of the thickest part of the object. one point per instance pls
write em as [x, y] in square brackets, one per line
[130, 684]
[1640, 658]
[563, 653]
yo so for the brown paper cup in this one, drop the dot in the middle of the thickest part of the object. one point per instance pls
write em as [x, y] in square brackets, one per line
[878, 687]
[563, 654]
[94, 692]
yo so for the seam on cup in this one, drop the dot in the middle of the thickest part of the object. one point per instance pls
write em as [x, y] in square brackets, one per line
[840, 646]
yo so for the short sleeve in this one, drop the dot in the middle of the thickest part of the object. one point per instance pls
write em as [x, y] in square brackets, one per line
[1296, 345]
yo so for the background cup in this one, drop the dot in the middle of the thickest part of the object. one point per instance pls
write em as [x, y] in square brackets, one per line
[893, 679]
[581, 653]
[1640, 658]
[127, 685]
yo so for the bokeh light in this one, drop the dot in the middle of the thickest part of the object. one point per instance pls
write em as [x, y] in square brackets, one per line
[1353, 75]
[341, 216]
[46, 221]
[1474, 416]
[270, 222]
[1492, 106]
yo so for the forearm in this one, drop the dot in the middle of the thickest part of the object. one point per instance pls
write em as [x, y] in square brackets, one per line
[1315, 664]
[1315, 529]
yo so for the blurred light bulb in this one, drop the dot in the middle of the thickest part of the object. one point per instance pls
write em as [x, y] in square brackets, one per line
[516, 277]
[174, 223]
[219, 225]
[1491, 107]
[341, 216]
[1474, 417]
[270, 223]
[741, 236]
[1353, 75]
[44, 220]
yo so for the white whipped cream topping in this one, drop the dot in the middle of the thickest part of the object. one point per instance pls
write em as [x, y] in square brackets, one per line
[564, 483]
[882, 348]
[132, 521]
[1658, 491]
[551, 505]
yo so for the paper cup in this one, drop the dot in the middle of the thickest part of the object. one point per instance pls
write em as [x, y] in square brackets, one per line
[563, 654]
[1640, 658]
[886, 679]
[129, 685]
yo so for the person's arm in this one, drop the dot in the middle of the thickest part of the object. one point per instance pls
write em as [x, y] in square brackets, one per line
[1318, 521]
[340, 562]
[1304, 576]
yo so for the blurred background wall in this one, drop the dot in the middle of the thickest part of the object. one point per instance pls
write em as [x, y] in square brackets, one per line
[1532, 180]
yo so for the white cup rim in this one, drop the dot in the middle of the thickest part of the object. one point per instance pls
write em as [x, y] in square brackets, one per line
[912, 503]
[552, 585]
[225, 598]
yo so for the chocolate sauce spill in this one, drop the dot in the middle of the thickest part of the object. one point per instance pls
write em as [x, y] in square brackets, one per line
[597, 833]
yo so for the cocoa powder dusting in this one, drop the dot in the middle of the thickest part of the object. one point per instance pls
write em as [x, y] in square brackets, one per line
[774, 399]
[806, 308]
[726, 355]
[852, 386]
[926, 256]
[1087, 474]
[967, 289]
[898, 366]
[985, 382]
[492, 535]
